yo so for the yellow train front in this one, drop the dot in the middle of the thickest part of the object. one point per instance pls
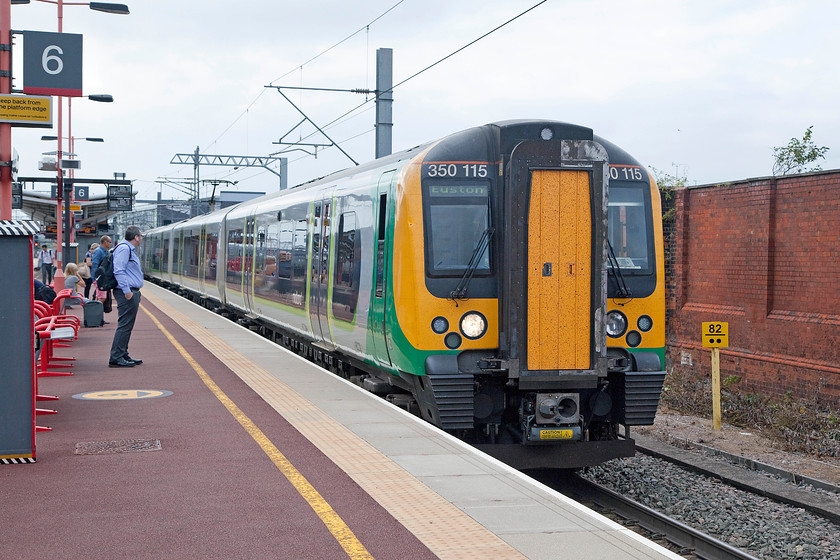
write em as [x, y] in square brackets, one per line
[527, 281]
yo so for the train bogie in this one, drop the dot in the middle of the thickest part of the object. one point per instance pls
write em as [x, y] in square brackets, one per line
[507, 281]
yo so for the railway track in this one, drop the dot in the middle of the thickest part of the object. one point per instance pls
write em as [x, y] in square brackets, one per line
[689, 540]
[745, 478]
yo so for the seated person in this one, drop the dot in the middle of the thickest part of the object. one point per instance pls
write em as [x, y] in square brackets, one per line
[270, 266]
[71, 282]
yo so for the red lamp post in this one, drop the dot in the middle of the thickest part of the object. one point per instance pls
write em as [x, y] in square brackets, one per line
[5, 128]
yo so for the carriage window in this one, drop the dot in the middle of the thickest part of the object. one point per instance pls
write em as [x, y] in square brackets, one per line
[235, 254]
[190, 253]
[211, 247]
[628, 230]
[299, 250]
[457, 218]
[347, 250]
[284, 255]
[347, 273]
[164, 253]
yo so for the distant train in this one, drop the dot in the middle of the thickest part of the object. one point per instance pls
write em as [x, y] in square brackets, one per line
[505, 282]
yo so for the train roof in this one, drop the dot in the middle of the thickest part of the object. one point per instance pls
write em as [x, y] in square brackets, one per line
[616, 156]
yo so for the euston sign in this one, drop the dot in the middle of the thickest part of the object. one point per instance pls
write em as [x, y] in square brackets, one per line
[52, 63]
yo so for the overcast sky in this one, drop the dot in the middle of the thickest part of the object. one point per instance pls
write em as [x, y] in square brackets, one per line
[703, 90]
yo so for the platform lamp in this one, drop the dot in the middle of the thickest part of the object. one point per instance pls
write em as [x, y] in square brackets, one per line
[66, 188]
[108, 8]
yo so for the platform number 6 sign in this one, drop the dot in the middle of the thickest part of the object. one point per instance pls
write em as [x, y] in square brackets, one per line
[52, 63]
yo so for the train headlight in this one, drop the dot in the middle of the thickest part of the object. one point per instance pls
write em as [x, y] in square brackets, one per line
[634, 339]
[616, 323]
[473, 325]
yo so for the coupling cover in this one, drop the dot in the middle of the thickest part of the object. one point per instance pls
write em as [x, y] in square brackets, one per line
[557, 408]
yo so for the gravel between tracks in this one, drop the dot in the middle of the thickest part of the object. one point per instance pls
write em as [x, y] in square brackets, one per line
[764, 528]
[672, 427]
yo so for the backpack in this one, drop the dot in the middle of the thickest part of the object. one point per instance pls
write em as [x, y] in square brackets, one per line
[45, 293]
[105, 279]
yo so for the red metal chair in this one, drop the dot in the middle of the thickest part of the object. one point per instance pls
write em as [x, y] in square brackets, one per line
[49, 331]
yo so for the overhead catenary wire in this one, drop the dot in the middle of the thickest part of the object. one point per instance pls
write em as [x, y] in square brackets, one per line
[450, 55]
[346, 114]
[366, 27]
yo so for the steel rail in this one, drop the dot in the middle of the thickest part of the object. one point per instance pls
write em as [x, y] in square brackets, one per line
[702, 545]
[744, 478]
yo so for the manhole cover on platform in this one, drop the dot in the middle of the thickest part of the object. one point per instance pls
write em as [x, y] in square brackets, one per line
[117, 446]
[122, 394]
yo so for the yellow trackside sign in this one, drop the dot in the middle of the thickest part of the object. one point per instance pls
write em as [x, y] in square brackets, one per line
[26, 110]
[715, 335]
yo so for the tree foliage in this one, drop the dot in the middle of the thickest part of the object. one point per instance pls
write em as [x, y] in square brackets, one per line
[797, 155]
[666, 184]
[666, 181]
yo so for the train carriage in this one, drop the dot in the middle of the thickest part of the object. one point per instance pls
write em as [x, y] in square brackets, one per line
[505, 282]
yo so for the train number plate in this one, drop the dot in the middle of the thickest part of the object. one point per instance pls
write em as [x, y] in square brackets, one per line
[556, 434]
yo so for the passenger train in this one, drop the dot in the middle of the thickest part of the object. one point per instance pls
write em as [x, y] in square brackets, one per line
[505, 282]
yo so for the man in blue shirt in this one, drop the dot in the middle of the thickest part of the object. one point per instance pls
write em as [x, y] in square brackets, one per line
[95, 259]
[99, 254]
[129, 277]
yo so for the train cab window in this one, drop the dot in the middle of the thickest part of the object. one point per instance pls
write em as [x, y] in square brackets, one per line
[457, 218]
[629, 230]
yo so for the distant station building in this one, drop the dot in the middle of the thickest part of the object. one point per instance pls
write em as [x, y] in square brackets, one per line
[231, 198]
[150, 216]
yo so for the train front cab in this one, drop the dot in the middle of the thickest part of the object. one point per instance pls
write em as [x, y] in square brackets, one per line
[536, 385]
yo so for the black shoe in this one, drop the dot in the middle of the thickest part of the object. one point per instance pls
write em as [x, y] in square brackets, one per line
[105, 323]
[122, 362]
[133, 361]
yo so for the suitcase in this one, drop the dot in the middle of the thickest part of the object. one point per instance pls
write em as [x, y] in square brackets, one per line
[94, 315]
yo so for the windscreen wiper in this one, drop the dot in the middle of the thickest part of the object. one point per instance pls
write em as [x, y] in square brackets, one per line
[623, 290]
[460, 291]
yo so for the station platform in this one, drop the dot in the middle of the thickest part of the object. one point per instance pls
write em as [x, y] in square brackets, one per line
[224, 445]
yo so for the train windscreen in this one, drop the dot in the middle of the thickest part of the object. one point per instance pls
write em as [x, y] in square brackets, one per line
[457, 216]
[628, 230]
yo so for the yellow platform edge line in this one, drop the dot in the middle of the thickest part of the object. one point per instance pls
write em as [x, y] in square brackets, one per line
[342, 533]
[421, 515]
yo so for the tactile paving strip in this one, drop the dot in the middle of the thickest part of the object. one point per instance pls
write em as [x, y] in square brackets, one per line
[446, 530]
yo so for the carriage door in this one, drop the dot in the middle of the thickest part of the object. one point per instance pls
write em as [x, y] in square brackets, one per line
[559, 271]
[319, 276]
[248, 245]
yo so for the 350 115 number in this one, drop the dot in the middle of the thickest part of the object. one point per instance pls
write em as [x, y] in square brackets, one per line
[626, 173]
[457, 170]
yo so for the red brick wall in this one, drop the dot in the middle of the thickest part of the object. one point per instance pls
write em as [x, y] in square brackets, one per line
[763, 255]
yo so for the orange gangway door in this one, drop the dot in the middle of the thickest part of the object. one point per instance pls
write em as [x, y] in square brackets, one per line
[559, 271]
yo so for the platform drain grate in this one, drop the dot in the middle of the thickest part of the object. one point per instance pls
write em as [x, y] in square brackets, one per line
[117, 446]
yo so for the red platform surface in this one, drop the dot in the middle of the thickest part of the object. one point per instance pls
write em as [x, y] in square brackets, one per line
[210, 492]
